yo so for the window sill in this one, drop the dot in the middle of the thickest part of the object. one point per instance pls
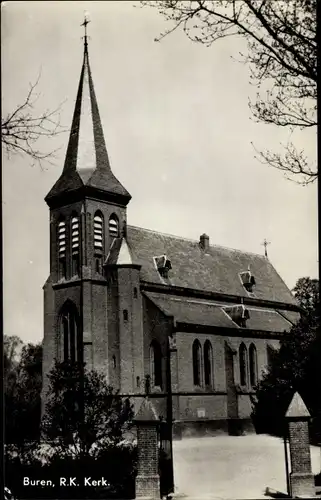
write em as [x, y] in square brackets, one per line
[156, 389]
[243, 389]
[198, 388]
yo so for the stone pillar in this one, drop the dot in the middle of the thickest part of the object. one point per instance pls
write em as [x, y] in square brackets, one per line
[147, 479]
[301, 477]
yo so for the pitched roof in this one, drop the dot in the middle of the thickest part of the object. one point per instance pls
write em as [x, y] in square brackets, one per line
[119, 253]
[87, 162]
[211, 313]
[297, 408]
[217, 270]
[146, 412]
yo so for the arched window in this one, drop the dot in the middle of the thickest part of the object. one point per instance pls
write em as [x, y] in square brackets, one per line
[62, 249]
[98, 241]
[208, 363]
[243, 365]
[125, 315]
[113, 226]
[71, 348]
[75, 242]
[156, 364]
[197, 360]
[253, 365]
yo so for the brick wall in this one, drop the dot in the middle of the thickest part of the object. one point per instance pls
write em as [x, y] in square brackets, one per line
[299, 446]
[156, 327]
[94, 294]
[130, 330]
[54, 299]
[113, 329]
[147, 450]
[49, 340]
[301, 477]
[99, 326]
[107, 210]
[214, 407]
[147, 480]
[244, 406]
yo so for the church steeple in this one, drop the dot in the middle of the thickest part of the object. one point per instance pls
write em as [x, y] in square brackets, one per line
[87, 167]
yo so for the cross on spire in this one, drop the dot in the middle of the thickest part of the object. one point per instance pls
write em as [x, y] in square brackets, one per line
[265, 244]
[84, 24]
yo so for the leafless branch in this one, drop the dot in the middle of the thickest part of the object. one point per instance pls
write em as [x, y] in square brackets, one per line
[294, 164]
[281, 53]
[22, 128]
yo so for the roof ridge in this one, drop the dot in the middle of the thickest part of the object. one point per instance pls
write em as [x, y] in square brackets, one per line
[196, 241]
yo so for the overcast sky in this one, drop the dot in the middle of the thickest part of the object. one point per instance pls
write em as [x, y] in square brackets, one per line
[178, 132]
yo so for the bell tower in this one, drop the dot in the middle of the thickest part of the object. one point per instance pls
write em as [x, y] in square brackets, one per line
[87, 216]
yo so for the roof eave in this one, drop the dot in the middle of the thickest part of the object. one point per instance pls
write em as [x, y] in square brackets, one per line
[65, 197]
[228, 332]
[192, 292]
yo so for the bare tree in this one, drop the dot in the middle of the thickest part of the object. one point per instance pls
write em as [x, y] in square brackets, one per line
[23, 128]
[281, 53]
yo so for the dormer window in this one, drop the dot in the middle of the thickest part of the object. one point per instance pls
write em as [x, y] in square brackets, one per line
[113, 226]
[239, 314]
[248, 280]
[163, 265]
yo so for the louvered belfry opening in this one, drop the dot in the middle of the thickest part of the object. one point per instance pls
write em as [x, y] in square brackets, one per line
[113, 226]
[98, 241]
[75, 243]
[62, 249]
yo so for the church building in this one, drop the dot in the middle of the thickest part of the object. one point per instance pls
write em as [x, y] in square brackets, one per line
[152, 311]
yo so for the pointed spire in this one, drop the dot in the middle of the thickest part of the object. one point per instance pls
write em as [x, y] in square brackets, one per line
[87, 161]
[124, 255]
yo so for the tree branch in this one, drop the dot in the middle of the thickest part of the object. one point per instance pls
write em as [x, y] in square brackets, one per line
[281, 42]
[23, 127]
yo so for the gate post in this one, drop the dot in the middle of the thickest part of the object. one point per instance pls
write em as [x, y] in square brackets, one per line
[301, 477]
[147, 479]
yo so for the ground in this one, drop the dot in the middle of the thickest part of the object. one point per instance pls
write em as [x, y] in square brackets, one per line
[226, 467]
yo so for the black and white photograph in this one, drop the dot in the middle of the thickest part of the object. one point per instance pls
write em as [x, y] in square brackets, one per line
[160, 250]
